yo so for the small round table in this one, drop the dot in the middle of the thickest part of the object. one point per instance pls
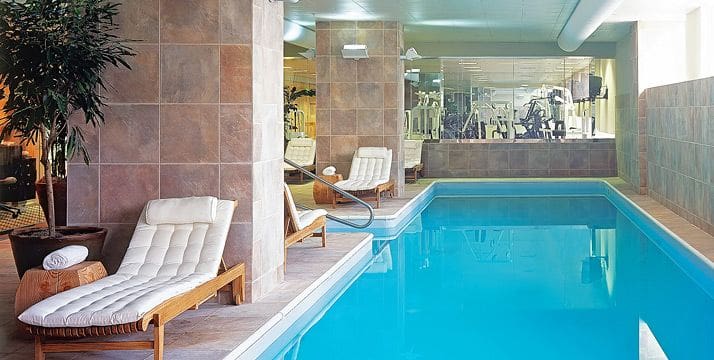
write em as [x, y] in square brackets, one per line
[323, 194]
[38, 284]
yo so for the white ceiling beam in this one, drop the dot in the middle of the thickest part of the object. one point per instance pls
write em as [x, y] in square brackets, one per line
[585, 19]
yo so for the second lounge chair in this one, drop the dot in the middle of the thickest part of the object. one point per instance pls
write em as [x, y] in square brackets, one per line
[369, 173]
[300, 225]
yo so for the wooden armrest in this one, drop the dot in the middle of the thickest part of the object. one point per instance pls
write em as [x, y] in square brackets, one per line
[175, 306]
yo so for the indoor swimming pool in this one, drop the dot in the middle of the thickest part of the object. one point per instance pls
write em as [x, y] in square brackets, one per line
[583, 276]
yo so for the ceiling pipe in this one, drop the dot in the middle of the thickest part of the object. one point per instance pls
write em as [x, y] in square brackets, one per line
[585, 19]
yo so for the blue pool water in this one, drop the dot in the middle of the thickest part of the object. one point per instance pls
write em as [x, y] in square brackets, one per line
[515, 278]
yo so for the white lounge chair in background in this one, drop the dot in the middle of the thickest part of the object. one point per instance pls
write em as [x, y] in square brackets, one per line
[412, 158]
[169, 267]
[300, 225]
[302, 152]
[369, 173]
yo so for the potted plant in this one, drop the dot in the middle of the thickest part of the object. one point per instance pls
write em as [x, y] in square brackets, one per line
[290, 97]
[53, 56]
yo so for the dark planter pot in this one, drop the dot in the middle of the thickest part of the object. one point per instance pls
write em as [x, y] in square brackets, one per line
[59, 188]
[30, 246]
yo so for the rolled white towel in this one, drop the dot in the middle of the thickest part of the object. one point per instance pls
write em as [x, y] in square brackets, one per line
[65, 257]
[330, 170]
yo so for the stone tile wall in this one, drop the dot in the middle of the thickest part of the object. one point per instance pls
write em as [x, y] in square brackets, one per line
[521, 159]
[631, 138]
[680, 149]
[199, 114]
[359, 102]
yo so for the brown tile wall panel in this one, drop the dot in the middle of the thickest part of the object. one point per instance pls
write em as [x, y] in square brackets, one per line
[554, 159]
[236, 184]
[138, 85]
[124, 190]
[139, 20]
[370, 122]
[189, 21]
[189, 180]
[189, 133]
[189, 73]
[236, 74]
[91, 138]
[236, 133]
[84, 207]
[343, 122]
[236, 20]
[130, 134]
[363, 97]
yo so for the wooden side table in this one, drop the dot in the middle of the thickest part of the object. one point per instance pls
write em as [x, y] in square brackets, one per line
[323, 194]
[38, 284]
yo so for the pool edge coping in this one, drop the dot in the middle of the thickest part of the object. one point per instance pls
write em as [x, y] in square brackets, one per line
[270, 331]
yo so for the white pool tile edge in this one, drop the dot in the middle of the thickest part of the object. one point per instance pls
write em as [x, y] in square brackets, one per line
[262, 338]
[410, 204]
[657, 223]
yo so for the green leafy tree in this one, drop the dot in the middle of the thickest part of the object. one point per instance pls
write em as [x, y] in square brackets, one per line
[290, 98]
[52, 55]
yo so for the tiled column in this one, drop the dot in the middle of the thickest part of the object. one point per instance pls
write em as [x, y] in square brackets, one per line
[199, 114]
[360, 102]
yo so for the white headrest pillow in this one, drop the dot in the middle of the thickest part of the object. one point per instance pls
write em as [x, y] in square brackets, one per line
[182, 210]
[372, 152]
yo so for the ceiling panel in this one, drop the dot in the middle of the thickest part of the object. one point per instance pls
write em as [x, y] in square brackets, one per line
[478, 20]
[484, 20]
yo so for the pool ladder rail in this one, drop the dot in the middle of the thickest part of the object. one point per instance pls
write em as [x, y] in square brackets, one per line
[339, 191]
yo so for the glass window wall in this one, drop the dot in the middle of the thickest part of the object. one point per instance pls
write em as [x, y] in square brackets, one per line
[509, 98]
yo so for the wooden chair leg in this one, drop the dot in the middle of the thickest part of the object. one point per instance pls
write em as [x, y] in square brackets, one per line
[39, 354]
[378, 198]
[158, 338]
[238, 289]
[324, 235]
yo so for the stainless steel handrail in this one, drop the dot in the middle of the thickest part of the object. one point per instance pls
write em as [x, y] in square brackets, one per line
[339, 191]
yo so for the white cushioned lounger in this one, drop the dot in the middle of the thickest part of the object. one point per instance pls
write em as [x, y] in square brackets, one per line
[300, 151]
[412, 153]
[176, 248]
[301, 224]
[370, 168]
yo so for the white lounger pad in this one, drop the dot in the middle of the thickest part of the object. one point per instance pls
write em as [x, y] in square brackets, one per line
[360, 185]
[114, 300]
[307, 217]
[162, 261]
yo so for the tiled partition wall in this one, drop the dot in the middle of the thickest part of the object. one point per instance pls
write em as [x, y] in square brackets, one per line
[199, 114]
[359, 102]
[680, 149]
[631, 138]
[520, 159]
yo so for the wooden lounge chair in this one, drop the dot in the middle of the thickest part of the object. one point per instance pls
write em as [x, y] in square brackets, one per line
[169, 267]
[300, 225]
[369, 175]
[412, 158]
[302, 152]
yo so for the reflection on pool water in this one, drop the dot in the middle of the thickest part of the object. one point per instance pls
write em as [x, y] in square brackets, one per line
[515, 278]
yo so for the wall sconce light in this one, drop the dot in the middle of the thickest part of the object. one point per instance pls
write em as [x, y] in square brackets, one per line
[355, 51]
